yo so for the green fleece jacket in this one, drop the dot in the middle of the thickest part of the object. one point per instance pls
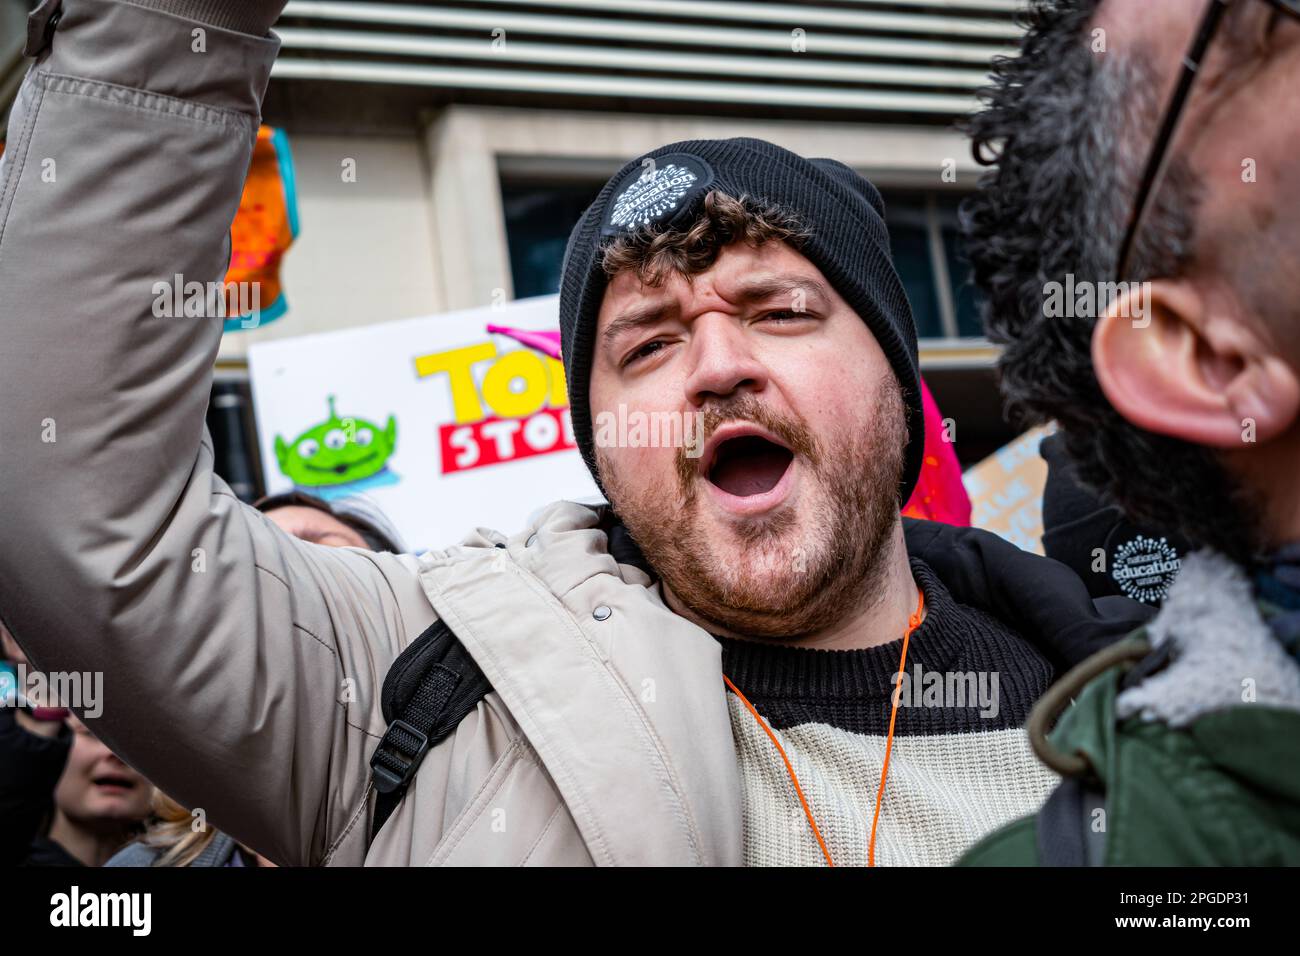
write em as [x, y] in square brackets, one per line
[1196, 763]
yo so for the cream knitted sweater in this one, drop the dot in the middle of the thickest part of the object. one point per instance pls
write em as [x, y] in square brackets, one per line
[961, 764]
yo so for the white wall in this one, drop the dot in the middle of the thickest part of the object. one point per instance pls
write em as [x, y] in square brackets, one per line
[364, 252]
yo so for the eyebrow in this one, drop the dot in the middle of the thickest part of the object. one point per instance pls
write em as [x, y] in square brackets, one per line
[759, 288]
[637, 317]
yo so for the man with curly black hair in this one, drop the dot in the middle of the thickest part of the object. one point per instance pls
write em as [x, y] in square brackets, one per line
[1145, 162]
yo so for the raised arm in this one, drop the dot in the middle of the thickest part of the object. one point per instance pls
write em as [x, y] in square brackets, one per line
[240, 666]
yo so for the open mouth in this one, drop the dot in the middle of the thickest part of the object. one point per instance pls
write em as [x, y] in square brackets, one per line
[746, 464]
[114, 781]
[341, 469]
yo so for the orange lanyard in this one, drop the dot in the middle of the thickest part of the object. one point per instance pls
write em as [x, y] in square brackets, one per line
[913, 623]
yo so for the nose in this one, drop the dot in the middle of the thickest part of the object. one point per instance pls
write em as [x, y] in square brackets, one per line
[97, 751]
[722, 361]
[111, 761]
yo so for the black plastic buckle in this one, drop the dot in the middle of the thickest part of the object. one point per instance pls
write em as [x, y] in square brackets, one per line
[41, 24]
[386, 781]
[1153, 663]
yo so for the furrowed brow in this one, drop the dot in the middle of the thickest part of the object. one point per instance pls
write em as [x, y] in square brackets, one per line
[637, 317]
[764, 288]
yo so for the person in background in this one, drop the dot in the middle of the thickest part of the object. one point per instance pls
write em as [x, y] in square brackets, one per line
[179, 837]
[65, 798]
[32, 755]
[353, 522]
[1146, 148]
[99, 803]
[1111, 554]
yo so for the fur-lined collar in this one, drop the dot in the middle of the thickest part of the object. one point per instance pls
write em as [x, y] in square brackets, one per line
[1224, 654]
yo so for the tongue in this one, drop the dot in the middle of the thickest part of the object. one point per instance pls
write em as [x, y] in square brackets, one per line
[752, 469]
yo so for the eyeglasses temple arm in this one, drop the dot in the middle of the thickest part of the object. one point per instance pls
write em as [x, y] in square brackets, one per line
[1160, 154]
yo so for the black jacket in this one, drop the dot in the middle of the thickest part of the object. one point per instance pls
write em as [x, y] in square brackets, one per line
[30, 766]
[1043, 600]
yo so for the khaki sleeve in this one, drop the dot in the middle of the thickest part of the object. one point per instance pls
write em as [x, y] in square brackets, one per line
[240, 668]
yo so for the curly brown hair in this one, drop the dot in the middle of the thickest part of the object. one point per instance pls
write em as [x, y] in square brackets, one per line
[655, 254]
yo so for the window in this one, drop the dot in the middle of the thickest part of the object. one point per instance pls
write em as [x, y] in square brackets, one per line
[926, 241]
[539, 218]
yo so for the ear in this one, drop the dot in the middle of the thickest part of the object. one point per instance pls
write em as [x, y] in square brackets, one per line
[1175, 363]
[390, 430]
[281, 451]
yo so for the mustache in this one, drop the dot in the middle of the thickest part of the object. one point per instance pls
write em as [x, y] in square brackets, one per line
[793, 431]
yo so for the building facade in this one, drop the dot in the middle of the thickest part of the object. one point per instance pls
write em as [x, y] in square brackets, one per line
[443, 150]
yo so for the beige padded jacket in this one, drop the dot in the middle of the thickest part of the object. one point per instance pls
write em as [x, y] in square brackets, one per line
[241, 667]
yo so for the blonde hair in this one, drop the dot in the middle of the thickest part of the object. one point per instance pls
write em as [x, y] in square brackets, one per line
[172, 831]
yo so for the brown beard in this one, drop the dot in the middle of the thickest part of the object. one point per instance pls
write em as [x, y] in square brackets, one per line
[830, 570]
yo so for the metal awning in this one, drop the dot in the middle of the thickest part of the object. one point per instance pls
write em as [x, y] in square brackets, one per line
[904, 56]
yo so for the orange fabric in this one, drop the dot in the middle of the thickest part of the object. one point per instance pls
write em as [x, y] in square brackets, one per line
[261, 232]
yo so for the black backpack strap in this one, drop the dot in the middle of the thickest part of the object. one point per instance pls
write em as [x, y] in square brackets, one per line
[1066, 836]
[429, 689]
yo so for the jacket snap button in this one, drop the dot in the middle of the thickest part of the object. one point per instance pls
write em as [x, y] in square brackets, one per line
[601, 613]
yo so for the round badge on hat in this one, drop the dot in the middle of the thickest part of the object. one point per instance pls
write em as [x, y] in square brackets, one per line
[655, 192]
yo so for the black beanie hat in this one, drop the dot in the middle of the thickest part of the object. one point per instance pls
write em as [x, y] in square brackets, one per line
[841, 210]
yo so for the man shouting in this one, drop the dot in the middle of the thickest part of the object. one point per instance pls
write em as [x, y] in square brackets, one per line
[557, 696]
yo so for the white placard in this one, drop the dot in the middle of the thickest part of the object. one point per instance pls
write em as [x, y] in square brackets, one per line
[443, 425]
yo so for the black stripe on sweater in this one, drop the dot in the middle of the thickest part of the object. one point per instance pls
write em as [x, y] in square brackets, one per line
[966, 673]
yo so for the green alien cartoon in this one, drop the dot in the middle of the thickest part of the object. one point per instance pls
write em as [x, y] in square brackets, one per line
[339, 452]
